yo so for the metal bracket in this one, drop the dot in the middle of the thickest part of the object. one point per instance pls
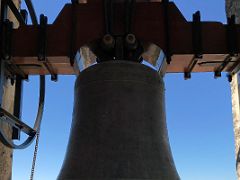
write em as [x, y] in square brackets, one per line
[108, 16]
[218, 71]
[42, 54]
[167, 33]
[232, 45]
[17, 110]
[73, 38]
[196, 42]
[6, 39]
[232, 42]
[129, 4]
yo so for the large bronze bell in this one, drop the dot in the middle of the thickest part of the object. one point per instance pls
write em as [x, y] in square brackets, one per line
[119, 125]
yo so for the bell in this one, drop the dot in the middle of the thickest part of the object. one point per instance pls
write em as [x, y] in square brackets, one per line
[119, 125]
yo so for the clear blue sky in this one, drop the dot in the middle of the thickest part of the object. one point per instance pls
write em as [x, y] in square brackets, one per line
[198, 115]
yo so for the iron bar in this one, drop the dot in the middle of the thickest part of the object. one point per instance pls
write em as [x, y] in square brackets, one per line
[187, 73]
[32, 12]
[167, 29]
[14, 121]
[15, 11]
[17, 109]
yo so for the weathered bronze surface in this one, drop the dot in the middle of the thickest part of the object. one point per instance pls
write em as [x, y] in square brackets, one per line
[119, 125]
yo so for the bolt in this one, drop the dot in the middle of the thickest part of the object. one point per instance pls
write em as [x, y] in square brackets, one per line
[108, 42]
[131, 42]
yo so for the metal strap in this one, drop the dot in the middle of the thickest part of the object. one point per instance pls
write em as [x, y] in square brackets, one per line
[31, 12]
[108, 15]
[167, 33]
[31, 132]
[42, 54]
[196, 42]
[129, 4]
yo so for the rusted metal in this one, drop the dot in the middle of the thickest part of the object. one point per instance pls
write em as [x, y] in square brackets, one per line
[147, 27]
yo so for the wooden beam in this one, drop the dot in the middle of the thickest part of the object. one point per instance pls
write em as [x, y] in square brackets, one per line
[6, 154]
[25, 43]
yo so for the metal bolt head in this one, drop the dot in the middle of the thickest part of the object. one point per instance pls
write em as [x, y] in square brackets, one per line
[131, 42]
[130, 39]
[108, 42]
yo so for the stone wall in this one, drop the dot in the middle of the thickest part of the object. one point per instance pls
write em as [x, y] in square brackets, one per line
[233, 8]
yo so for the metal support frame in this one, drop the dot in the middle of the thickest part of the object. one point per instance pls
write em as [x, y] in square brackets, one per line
[7, 65]
[15, 122]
